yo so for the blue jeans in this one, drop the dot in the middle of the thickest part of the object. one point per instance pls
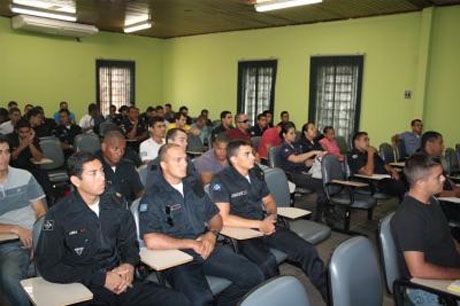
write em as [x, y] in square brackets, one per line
[223, 262]
[14, 264]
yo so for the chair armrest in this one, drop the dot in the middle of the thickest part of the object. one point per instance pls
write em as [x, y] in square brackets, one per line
[163, 259]
[292, 212]
[349, 183]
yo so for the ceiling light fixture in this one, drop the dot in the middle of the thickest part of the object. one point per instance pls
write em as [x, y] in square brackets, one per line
[66, 6]
[282, 4]
[138, 26]
[43, 13]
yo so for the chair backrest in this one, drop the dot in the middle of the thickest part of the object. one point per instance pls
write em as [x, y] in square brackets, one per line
[143, 171]
[194, 143]
[106, 126]
[354, 274]
[278, 185]
[255, 142]
[273, 158]
[451, 159]
[87, 143]
[387, 153]
[52, 149]
[135, 211]
[332, 169]
[388, 252]
[283, 290]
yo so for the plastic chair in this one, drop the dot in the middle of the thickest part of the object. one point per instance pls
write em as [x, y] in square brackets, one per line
[273, 159]
[87, 143]
[51, 148]
[255, 141]
[387, 153]
[342, 195]
[310, 231]
[278, 291]
[354, 274]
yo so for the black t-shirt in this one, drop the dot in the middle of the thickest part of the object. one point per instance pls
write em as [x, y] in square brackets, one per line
[357, 159]
[307, 145]
[420, 227]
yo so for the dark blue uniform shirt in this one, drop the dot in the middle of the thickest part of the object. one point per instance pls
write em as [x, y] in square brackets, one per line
[164, 210]
[76, 245]
[245, 197]
[357, 159]
[284, 152]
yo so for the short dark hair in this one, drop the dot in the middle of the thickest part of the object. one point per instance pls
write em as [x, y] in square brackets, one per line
[64, 110]
[358, 135]
[23, 122]
[4, 112]
[417, 167]
[172, 133]
[13, 109]
[413, 122]
[123, 108]
[150, 109]
[34, 111]
[4, 139]
[284, 113]
[76, 162]
[168, 105]
[327, 128]
[429, 136]
[224, 114]
[204, 110]
[62, 102]
[267, 111]
[159, 107]
[12, 103]
[178, 115]
[285, 127]
[234, 147]
[221, 138]
[154, 120]
[182, 108]
[92, 107]
[260, 116]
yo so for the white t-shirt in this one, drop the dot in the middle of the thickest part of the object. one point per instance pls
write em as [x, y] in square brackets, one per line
[6, 128]
[148, 149]
[86, 122]
[95, 207]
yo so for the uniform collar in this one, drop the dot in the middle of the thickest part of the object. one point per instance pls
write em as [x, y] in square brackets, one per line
[78, 204]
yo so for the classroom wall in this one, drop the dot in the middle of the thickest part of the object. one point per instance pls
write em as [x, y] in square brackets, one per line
[202, 70]
[42, 69]
[442, 108]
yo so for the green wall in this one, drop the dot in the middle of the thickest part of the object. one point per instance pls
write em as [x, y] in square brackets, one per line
[416, 51]
[40, 69]
[442, 109]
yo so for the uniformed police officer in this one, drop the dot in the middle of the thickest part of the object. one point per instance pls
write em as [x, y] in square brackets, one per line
[179, 137]
[91, 239]
[177, 214]
[120, 173]
[244, 200]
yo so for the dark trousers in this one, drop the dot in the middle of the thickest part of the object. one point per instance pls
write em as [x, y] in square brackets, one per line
[393, 187]
[304, 180]
[297, 249]
[223, 262]
[141, 294]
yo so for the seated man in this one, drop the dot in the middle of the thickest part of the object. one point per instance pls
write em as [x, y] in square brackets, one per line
[148, 150]
[270, 138]
[226, 120]
[7, 127]
[411, 141]
[363, 159]
[213, 161]
[22, 202]
[90, 238]
[179, 137]
[180, 122]
[120, 173]
[37, 121]
[259, 128]
[176, 214]
[87, 123]
[66, 131]
[134, 127]
[422, 236]
[57, 115]
[241, 129]
[244, 200]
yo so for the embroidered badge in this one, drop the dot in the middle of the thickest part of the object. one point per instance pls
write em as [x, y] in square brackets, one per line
[79, 251]
[143, 208]
[48, 225]
[354, 156]
[71, 233]
[216, 187]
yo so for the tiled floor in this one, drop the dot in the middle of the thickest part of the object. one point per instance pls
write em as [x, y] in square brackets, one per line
[359, 223]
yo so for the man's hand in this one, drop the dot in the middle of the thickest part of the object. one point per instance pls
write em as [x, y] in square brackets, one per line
[267, 226]
[126, 272]
[394, 174]
[371, 150]
[208, 242]
[115, 283]
[25, 236]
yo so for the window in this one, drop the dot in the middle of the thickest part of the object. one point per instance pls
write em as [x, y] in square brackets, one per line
[335, 93]
[115, 84]
[256, 87]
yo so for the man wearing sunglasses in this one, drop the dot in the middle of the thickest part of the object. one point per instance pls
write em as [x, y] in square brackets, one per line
[241, 130]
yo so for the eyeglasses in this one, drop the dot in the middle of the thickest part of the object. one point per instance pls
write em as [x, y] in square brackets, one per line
[244, 121]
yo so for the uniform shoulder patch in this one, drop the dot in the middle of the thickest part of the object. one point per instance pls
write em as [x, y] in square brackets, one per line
[143, 207]
[354, 156]
[216, 187]
[48, 225]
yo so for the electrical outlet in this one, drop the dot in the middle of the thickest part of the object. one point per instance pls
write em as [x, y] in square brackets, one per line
[407, 94]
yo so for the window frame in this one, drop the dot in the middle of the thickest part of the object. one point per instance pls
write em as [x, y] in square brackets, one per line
[116, 64]
[242, 65]
[315, 63]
